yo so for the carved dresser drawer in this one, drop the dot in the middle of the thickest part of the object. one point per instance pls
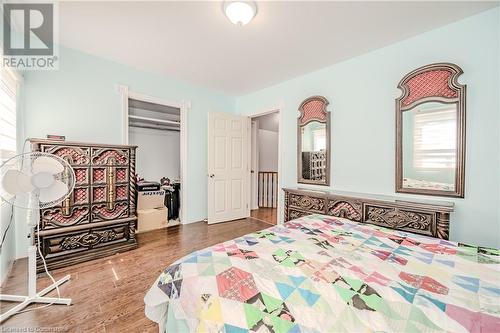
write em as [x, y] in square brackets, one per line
[401, 219]
[295, 214]
[102, 203]
[63, 249]
[306, 202]
[346, 208]
[430, 218]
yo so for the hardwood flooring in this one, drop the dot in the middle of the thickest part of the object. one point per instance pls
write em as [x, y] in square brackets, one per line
[269, 215]
[108, 293]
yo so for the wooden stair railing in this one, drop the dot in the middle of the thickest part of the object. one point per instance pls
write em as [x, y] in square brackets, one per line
[268, 189]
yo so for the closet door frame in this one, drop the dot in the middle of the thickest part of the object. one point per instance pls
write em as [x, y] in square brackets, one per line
[184, 106]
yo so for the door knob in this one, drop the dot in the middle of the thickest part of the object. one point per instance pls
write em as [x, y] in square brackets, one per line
[211, 175]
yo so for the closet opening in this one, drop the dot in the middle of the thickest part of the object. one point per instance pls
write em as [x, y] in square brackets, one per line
[156, 131]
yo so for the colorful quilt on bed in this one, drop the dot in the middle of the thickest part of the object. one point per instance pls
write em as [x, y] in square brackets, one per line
[324, 274]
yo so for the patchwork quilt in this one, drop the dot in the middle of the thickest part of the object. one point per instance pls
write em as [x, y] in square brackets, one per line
[324, 274]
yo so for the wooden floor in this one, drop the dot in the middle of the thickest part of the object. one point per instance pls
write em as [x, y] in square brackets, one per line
[269, 215]
[108, 293]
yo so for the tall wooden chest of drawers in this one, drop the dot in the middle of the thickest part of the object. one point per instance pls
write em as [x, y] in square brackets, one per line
[99, 217]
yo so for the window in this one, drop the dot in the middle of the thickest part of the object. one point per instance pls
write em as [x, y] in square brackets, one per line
[8, 97]
[435, 139]
[8, 91]
[319, 136]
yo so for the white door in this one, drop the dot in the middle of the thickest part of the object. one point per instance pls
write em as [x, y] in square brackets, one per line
[227, 167]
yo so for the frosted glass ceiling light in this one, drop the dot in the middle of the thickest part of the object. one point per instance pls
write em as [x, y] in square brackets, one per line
[240, 12]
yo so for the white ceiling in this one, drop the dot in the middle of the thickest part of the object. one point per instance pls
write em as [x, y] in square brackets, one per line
[194, 41]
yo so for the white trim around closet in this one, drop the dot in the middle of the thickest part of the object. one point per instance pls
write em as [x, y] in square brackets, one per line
[184, 106]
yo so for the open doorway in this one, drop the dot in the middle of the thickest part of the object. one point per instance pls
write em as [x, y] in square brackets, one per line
[264, 170]
[156, 131]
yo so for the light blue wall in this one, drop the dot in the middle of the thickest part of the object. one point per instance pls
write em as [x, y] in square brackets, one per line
[362, 91]
[81, 101]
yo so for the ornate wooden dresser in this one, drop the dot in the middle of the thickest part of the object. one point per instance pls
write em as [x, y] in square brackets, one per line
[99, 217]
[430, 218]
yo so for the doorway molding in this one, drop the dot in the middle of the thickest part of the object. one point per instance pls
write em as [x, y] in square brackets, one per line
[184, 105]
[276, 109]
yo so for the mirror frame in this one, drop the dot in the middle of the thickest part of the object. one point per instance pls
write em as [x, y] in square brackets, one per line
[324, 119]
[452, 93]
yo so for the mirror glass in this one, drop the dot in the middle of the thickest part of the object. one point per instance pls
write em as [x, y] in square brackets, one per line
[429, 142]
[313, 142]
[314, 151]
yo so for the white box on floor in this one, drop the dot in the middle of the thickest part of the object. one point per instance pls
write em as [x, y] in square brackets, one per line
[150, 219]
[150, 199]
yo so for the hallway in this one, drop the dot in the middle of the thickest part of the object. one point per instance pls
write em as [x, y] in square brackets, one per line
[264, 214]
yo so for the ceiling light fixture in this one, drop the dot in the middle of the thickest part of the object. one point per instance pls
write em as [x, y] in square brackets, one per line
[240, 12]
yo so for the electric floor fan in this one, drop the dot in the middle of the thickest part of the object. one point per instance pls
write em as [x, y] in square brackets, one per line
[35, 181]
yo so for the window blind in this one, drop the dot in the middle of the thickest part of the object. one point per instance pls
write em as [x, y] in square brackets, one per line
[319, 140]
[435, 139]
[8, 97]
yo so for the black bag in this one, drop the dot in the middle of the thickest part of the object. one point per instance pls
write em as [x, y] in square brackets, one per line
[172, 201]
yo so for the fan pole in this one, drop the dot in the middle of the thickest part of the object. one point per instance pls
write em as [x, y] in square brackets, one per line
[33, 296]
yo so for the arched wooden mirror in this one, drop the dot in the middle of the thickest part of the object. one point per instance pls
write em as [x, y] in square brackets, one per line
[430, 132]
[313, 133]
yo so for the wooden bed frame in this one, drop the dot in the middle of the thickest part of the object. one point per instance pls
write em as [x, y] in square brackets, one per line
[430, 218]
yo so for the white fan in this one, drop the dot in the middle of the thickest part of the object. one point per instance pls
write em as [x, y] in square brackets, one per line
[34, 181]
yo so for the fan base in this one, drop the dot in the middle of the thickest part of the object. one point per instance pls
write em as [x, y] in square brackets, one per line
[38, 298]
[33, 297]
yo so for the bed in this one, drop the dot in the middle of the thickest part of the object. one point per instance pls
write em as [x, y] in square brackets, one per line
[326, 274]
[427, 185]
